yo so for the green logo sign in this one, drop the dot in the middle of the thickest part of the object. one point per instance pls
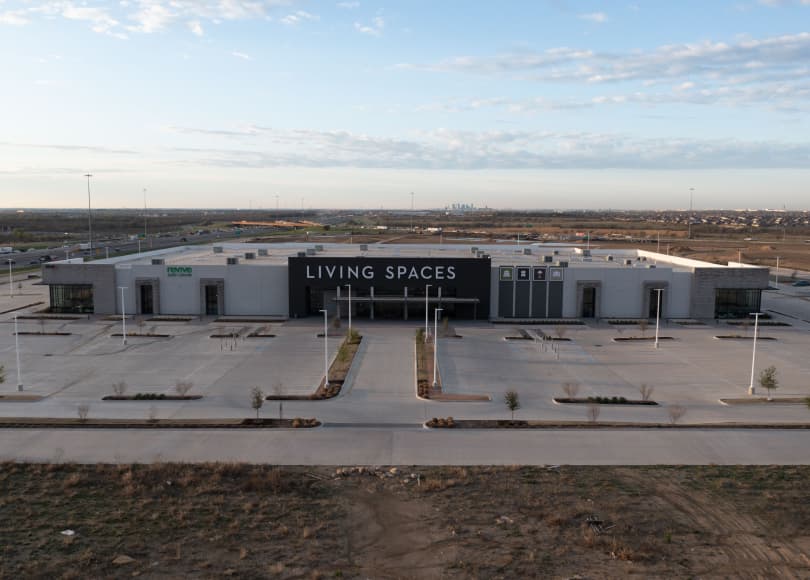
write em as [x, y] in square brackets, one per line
[178, 270]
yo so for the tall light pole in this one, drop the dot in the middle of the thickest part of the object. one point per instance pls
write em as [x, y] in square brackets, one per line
[777, 273]
[145, 230]
[411, 211]
[89, 215]
[427, 309]
[756, 316]
[691, 192]
[17, 350]
[325, 350]
[349, 286]
[123, 317]
[435, 343]
[658, 314]
[276, 202]
[10, 279]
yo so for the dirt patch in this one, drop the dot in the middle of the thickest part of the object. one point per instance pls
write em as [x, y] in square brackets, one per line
[247, 521]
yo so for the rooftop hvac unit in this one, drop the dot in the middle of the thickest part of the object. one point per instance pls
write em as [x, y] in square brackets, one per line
[556, 252]
[158, 261]
[319, 248]
[527, 251]
[364, 247]
[562, 263]
[250, 256]
[217, 249]
[485, 256]
[302, 254]
[233, 261]
[310, 251]
[262, 251]
[643, 258]
[628, 262]
[608, 258]
[548, 259]
[586, 253]
[651, 265]
[474, 249]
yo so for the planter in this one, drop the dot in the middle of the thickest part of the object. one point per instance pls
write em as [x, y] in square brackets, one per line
[151, 397]
[142, 335]
[258, 335]
[30, 423]
[641, 338]
[602, 401]
[31, 333]
[741, 337]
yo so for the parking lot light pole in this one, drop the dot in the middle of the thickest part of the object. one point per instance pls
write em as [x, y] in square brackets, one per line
[10, 279]
[17, 350]
[756, 316]
[123, 317]
[325, 349]
[777, 273]
[658, 315]
[435, 343]
[349, 286]
[427, 309]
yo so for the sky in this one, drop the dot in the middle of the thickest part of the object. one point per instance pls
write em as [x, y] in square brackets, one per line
[542, 104]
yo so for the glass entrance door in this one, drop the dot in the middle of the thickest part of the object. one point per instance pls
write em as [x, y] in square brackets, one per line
[589, 302]
[211, 300]
[147, 301]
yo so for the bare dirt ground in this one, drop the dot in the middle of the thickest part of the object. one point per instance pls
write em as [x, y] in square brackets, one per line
[233, 520]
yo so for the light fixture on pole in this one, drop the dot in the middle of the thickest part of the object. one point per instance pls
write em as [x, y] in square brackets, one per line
[17, 350]
[123, 317]
[89, 216]
[10, 279]
[435, 343]
[325, 349]
[349, 286]
[689, 231]
[427, 312]
[756, 316]
[658, 315]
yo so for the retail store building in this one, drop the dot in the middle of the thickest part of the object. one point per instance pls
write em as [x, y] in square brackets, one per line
[388, 281]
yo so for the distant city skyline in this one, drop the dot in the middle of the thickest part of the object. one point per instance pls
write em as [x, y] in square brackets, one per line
[556, 104]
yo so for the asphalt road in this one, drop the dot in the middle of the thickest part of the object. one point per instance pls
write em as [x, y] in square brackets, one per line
[413, 446]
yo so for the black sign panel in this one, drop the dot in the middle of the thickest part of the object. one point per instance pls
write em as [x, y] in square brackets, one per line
[458, 278]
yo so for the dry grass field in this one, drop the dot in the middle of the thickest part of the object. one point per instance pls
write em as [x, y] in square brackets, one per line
[242, 521]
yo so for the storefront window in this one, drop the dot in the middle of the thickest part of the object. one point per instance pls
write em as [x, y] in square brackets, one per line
[72, 298]
[734, 303]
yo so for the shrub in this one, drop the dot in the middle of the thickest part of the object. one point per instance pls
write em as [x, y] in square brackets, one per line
[593, 413]
[183, 387]
[676, 413]
[256, 400]
[119, 388]
[83, 410]
[768, 380]
[512, 401]
[571, 389]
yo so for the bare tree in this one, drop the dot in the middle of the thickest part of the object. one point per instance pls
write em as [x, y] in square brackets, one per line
[593, 412]
[560, 331]
[676, 413]
[153, 414]
[646, 391]
[512, 401]
[83, 410]
[256, 399]
[278, 391]
[643, 324]
[119, 388]
[768, 380]
[2, 374]
[571, 389]
[183, 387]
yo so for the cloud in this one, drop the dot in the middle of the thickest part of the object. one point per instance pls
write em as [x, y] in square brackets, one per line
[82, 148]
[348, 5]
[676, 61]
[597, 17]
[374, 29]
[14, 17]
[451, 149]
[145, 16]
[196, 28]
[242, 55]
[298, 17]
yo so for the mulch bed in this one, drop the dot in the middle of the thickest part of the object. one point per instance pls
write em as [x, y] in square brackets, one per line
[741, 337]
[641, 338]
[519, 424]
[764, 400]
[142, 335]
[32, 333]
[35, 423]
[151, 397]
[601, 401]
[260, 335]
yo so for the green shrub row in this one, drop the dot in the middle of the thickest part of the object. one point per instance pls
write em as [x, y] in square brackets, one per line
[607, 400]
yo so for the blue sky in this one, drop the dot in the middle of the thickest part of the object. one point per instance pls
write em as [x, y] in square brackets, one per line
[541, 104]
